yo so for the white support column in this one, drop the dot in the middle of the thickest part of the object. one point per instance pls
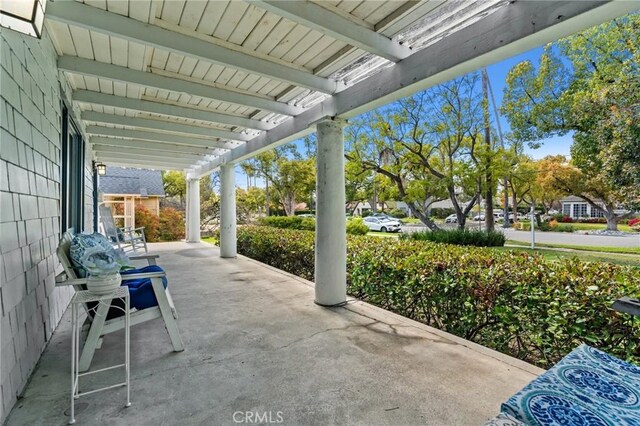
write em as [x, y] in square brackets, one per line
[228, 241]
[331, 234]
[193, 210]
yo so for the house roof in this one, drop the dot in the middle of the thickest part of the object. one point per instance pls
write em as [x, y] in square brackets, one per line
[122, 180]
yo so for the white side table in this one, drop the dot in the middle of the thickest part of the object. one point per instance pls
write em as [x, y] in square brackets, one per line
[80, 298]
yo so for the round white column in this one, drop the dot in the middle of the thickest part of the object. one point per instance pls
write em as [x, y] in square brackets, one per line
[331, 234]
[228, 241]
[193, 210]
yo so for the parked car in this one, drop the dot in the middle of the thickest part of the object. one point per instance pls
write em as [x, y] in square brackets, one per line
[479, 217]
[381, 224]
[307, 215]
[452, 218]
[383, 216]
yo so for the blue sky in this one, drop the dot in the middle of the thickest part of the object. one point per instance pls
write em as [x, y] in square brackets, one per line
[498, 74]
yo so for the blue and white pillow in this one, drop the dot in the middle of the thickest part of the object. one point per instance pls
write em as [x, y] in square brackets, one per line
[81, 243]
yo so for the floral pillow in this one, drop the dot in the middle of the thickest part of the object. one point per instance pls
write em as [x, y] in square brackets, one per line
[94, 254]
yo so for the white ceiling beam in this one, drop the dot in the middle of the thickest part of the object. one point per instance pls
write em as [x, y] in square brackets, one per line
[95, 19]
[509, 31]
[103, 99]
[88, 67]
[129, 151]
[142, 164]
[334, 25]
[163, 125]
[156, 146]
[179, 162]
[158, 137]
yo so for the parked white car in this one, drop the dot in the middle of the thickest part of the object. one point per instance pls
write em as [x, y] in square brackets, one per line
[452, 218]
[382, 225]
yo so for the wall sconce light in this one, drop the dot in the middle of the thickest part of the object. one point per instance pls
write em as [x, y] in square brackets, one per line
[25, 16]
[101, 168]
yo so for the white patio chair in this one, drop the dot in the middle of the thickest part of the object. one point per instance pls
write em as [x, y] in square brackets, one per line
[98, 325]
[128, 239]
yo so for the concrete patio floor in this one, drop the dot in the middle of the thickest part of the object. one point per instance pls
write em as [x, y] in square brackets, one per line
[256, 343]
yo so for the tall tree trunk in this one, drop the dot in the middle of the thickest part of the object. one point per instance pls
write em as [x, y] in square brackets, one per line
[266, 195]
[422, 216]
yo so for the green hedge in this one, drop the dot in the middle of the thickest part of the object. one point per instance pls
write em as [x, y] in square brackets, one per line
[355, 226]
[514, 302]
[461, 237]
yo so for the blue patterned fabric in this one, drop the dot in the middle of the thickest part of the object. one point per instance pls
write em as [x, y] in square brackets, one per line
[587, 387]
[80, 243]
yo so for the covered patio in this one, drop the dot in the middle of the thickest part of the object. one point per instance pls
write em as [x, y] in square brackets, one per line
[256, 343]
[200, 86]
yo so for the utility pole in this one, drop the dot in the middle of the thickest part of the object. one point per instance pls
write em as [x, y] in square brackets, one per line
[266, 192]
[488, 217]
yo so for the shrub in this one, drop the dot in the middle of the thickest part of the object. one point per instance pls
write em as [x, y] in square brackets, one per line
[441, 213]
[564, 228]
[565, 219]
[461, 237]
[593, 220]
[289, 222]
[150, 222]
[634, 221]
[171, 224]
[356, 226]
[398, 213]
[367, 213]
[514, 302]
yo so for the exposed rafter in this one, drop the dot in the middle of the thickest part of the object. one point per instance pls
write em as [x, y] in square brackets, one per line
[321, 19]
[142, 164]
[146, 158]
[97, 98]
[94, 19]
[129, 151]
[163, 125]
[156, 146]
[510, 30]
[88, 67]
[157, 137]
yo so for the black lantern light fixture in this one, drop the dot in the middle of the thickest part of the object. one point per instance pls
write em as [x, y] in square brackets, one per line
[101, 168]
[25, 16]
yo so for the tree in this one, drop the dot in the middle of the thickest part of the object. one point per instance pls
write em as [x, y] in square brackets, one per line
[597, 99]
[175, 185]
[430, 146]
[290, 176]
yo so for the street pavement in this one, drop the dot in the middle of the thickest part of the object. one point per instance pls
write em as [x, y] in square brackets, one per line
[555, 237]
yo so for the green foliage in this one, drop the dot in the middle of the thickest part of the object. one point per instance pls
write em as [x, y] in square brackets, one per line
[175, 184]
[441, 212]
[356, 226]
[150, 222]
[289, 222]
[514, 302]
[398, 213]
[171, 224]
[597, 99]
[461, 237]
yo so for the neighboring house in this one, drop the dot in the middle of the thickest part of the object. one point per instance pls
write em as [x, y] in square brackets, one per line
[124, 188]
[577, 207]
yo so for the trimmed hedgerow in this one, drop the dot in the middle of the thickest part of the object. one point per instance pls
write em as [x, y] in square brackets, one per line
[514, 302]
[355, 226]
[461, 237]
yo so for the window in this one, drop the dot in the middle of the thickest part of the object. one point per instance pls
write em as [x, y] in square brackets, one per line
[566, 209]
[72, 172]
[579, 210]
[597, 212]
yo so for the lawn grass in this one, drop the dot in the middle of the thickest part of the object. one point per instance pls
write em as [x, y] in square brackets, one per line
[597, 227]
[600, 249]
[209, 240]
[410, 220]
[383, 234]
[586, 256]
